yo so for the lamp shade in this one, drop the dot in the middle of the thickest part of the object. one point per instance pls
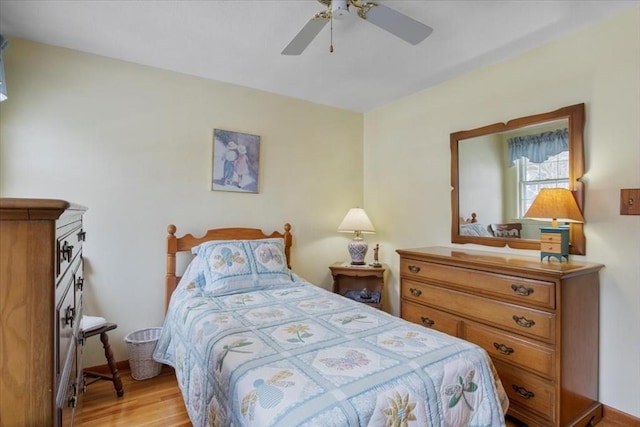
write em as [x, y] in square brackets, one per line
[556, 204]
[356, 221]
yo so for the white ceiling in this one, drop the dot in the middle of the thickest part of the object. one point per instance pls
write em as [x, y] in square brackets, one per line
[239, 41]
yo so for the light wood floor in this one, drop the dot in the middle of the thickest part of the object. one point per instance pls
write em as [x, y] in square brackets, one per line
[153, 402]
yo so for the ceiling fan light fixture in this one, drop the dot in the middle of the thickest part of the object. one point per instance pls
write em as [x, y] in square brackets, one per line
[364, 9]
[339, 8]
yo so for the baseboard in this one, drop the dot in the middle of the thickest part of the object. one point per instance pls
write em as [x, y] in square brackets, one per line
[616, 417]
[122, 364]
[104, 369]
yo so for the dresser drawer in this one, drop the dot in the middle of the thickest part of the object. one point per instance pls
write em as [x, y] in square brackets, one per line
[66, 323]
[78, 285]
[72, 278]
[528, 391]
[517, 289]
[69, 239]
[512, 349]
[511, 317]
[68, 388]
[431, 318]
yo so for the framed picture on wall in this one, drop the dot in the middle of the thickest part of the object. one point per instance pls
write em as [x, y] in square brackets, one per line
[236, 161]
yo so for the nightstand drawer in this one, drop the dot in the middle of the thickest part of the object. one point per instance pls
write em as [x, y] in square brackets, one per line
[510, 317]
[431, 318]
[518, 289]
[528, 391]
[554, 248]
[511, 348]
[550, 238]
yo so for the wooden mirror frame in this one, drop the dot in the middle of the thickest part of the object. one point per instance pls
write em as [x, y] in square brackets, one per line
[575, 114]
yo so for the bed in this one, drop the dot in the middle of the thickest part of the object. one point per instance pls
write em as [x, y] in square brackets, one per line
[471, 227]
[254, 344]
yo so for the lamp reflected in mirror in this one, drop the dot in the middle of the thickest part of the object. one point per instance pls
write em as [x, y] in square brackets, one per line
[557, 205]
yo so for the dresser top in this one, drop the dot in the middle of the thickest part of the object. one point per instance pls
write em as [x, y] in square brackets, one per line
[486, 259]
[30, 209]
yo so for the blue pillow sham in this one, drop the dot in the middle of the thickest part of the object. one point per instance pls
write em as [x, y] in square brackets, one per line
[231, 266]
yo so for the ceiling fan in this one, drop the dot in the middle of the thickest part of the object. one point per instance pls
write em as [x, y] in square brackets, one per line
[402, 26]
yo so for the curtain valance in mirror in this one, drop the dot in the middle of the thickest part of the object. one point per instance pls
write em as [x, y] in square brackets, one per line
[538, 148]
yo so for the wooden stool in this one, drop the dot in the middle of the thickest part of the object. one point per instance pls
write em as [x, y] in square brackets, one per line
[115, 376]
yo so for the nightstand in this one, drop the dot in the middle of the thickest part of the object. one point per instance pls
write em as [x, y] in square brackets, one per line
[554, 242]
[349, 281]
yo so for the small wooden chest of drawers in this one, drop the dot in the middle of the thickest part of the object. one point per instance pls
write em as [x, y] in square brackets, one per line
[554, 242]
[537, 320]
[41, 281]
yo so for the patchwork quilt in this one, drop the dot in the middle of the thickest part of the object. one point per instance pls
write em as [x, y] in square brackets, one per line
[296, 355]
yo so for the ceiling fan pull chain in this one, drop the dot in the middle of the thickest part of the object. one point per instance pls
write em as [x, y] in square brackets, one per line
[331, 41]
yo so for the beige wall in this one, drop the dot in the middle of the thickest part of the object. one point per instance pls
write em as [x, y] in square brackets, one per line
[407, 183]
[134, 144]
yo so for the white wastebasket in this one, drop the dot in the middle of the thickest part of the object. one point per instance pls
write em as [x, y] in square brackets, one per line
[140, 345]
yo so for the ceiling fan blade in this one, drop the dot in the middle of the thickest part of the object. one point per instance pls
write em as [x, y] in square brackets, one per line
[306, 35]
[408, 29]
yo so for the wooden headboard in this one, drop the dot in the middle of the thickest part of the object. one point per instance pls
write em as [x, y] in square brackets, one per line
[188, 241]
[471, 220]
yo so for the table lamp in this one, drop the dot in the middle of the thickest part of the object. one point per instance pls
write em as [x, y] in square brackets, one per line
[555, 204]
[356, 221]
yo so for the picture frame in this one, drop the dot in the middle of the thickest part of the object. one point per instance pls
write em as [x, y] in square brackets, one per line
[236, 161]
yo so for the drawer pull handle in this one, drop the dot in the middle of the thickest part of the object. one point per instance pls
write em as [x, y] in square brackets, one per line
[82, 235]
[79, 283]
[503, 348]
[524, 322]
[414, 269]
[69, 315]
[522, 290]
[523, 392]
[427, 322]
[415, 292]
[66, 252]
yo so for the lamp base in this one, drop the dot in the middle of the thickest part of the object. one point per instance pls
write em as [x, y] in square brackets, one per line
[357, 249]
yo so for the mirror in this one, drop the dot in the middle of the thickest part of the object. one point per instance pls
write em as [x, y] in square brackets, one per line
[492, 186]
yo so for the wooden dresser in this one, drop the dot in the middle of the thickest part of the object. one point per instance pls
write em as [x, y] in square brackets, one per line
[537, 320]
[41, 278]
